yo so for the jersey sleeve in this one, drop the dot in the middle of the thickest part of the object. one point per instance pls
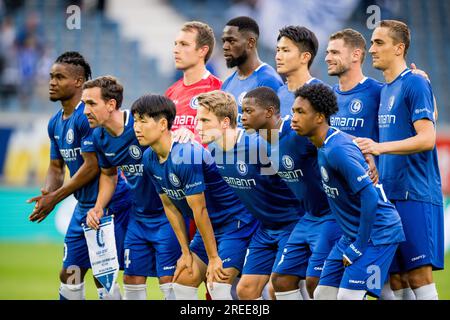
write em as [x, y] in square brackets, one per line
[86, 133]
[102, 160]
[190, 172]
[419, 98]
[349, 162]
[54, 149]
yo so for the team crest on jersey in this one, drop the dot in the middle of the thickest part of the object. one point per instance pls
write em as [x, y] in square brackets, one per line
[194, 103]
[100, 237]
[324, 174]
[391, 102]
[69, 136]
[174, 180]
[135, 152]
[288, 162]
[242, 168]
[241, 97]
[356, 106]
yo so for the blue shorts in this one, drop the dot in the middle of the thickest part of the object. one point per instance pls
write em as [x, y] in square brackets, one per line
[423, 224]
[232, 242]
[151, 249]
[307, 248]
[265, 250]
[75, 247]
[369, 272]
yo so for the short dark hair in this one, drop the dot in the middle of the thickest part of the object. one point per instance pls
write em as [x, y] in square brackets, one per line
[398, 31]
[304, 39]
[110, 88]
[155, 106]
[321, 97]
[76, 59]
[265, 97]
[245, 24]
[352, 39]
[205, 35]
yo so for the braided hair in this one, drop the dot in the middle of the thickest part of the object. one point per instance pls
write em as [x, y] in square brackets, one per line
[75, 58]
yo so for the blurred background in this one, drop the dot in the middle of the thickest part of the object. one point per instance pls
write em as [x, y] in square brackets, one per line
[133, 41]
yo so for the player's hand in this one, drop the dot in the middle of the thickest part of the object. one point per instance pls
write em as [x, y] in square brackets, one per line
[183, 135]
[419, 72]
[373, 172]
[346, 262]
[93, 217]
[351, 254]
[215, 272]
[185, 262]
[45, 203]
[367, 145]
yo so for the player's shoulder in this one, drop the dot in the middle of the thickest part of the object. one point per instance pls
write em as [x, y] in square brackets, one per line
[228, 80]
[412, 80]
[173, 87]
[266, 71]
[214, 82]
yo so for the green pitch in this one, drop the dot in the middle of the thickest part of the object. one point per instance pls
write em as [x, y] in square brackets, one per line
[30, 271]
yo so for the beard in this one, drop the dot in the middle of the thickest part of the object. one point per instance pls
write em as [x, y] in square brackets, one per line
[338, 71]
[236, 62]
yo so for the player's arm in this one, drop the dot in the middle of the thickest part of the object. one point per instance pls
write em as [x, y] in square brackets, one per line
[55, 175]
[106, 187]
[369, 201]
[197, 203]
[85, 174]
[179, 227]
[424, 140]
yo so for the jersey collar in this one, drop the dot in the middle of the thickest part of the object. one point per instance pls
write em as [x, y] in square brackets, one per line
[331, 132]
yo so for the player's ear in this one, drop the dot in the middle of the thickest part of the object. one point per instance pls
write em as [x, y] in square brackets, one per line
[305, 57]
[163, 124]
[251, 42]
[112, 105]
[270, 111]
[204, 50]
[226, 123]
[400, 48]
[356, 55]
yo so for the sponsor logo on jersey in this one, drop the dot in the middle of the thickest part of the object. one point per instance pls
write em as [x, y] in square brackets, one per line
[194, 103]
[241, 97]
[288, 162]
[391, 102]
[69, 136]
[324, 174]
[360, 178]
[356, 106]
[242, 168]
[135, 152]
[174, 180]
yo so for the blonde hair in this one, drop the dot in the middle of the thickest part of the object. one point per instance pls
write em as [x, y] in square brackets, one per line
[221, 103]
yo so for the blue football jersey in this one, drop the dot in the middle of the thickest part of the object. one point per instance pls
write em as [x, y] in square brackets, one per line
[344, 175]
[248, 170]
[287, 97]
[68, 139]
[264, 75]
[296, 159]
[415, 176]
[190, 169]
[125, 153]
[358, 109]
